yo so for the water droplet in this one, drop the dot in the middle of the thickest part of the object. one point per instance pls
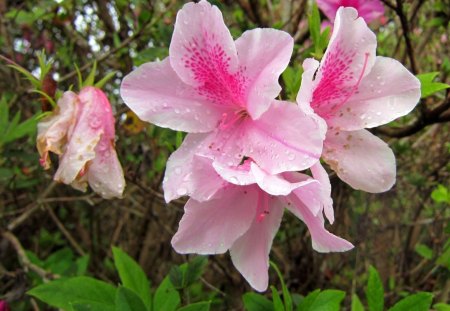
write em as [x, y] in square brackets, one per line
[182, 191]
[291, 157]
[178, 171]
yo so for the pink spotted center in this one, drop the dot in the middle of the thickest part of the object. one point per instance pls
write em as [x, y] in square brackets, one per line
[334, 90]
[210, 66]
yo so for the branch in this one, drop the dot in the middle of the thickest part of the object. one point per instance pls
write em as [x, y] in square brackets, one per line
[28, 265]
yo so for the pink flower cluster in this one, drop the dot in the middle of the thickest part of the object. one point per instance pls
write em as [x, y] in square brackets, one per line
[241, 162]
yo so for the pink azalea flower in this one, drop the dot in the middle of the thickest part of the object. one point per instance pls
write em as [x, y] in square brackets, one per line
[369, 10]
[81, 131]
[244, 212]
[353, 89]
[4, 306]
[223, 91]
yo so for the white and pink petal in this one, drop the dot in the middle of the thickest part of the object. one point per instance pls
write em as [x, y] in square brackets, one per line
[264, 54]
[361, 159]
[212, 227]
[156, 94]
[389, 91]
[250, 253]
[347, 60]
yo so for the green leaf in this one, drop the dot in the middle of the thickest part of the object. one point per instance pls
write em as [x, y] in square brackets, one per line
[79, 77]
[428, 87]
[356, 303]
[91, 306]
[257, 302]
[195, 269]
[128, 300]
[166, 297]
[277, 303]
[417, 302]
[307, 302]
[328, 300]
[314, 25]
[441, 307]
[292, 78]
[286, 295]
[198, 306]
[105, 79]
[91, 77]
[64, 292]
[424, 251]
[132, 275]
[82, 265]
[176, 276]
[375, 291]
[441, 194]
[34, 81]
[444, 258]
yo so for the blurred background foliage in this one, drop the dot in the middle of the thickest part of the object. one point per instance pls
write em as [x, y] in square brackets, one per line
[49, 230]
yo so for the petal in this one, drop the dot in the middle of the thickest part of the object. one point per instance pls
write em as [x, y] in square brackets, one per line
[277, 185]
[321, 175]
[105, 174]
[305, 94]
[265, 54]
[329, 8]
[370, 9]
[309, 193]
[52, 131]
[157, 95]
[250, 253]
[388, 92]
[349, 57]
[83, 139]
[361, 159]
[203, 54]
[237, 175]
[186, 172]
[284, 138]
[322, 240]
[211, 227]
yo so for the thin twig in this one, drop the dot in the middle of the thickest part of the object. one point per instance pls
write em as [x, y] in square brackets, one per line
[32, 209]
[28, 265]
[66, 233]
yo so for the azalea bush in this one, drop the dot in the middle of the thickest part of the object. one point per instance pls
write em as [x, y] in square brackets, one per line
[142, 141]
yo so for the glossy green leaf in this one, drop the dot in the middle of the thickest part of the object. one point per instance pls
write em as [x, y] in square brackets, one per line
[166, 297]
[128, 300]
[277, 303]
[64, 292]
[417, 302]
[428, 87]
[441, 307]
[375, 291]
[91, 306]
[198, 306]
[132, 276]
[424, 251]
[356, 303]
[257, 302]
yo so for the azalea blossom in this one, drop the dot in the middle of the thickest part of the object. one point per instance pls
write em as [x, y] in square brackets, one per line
[369, 10]
[223, 92]
[353, 89]
[244, 212]
[81, 131]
